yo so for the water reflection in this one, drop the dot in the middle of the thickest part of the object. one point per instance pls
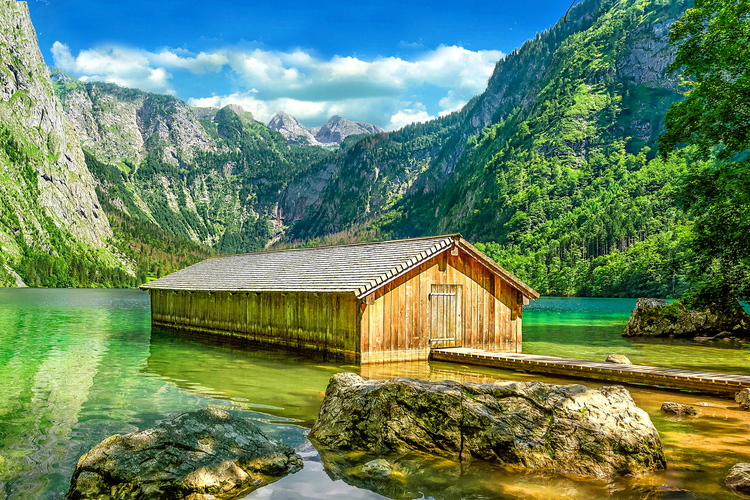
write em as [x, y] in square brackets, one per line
[80, 365]
[278, 383]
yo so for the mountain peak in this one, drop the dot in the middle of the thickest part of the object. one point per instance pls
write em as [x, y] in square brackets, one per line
[246, 116]
[292, 130]
[336, 129]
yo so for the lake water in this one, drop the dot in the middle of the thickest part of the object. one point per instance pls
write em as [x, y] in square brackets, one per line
[77, 366]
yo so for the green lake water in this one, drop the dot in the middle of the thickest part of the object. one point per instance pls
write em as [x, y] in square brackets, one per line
[77, 366]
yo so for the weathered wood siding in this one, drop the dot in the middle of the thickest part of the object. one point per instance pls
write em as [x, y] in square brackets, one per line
[301, 320]
[396, 317]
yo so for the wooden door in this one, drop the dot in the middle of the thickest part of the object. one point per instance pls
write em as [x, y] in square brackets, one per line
[446, 307]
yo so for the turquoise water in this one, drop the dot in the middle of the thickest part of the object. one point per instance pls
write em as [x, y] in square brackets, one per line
[589, 328]
[77, 366]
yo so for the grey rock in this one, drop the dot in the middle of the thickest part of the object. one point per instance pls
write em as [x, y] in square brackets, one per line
[377, 468]
[743, 398]
[660, 318]
[678, 409]
[336, 129]
[618, 358]
[202, 455]
[738, 479]
[245, 116]
[532, 425]
[331, 133]
[292, 130]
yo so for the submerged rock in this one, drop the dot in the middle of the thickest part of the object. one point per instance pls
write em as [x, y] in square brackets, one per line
[660, 318]
[743, 399]
[618, 358]
[738, 479]
[377, 468]
[524, 425]
[678, 409]
[202, 455]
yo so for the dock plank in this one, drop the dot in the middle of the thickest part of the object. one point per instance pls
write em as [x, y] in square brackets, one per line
[615, 372]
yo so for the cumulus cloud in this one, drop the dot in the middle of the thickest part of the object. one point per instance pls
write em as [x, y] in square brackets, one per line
[414, 113]
[298, 82]
[123, 66]
[199, 64]
[453, 102]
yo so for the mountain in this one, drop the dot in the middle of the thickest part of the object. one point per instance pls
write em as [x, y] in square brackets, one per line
[201, 175]
[53, 231]
[553, 164]
[292, 130]
[336, 129]
[331, 133]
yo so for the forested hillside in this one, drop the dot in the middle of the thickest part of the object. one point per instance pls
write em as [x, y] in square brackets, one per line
[552, 167]
[203, 176]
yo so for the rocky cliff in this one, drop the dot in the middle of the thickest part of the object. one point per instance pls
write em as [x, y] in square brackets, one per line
[203, 175]
[50, 216]
[118, 124]
[292, 130]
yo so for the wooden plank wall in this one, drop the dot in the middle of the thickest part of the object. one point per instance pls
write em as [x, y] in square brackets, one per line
[301, 320]
[396, 317]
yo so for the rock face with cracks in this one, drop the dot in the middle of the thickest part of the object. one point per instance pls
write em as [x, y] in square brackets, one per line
[200, 455]
[524, 425]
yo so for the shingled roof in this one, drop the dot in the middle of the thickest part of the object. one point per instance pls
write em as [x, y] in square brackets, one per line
[359, 268]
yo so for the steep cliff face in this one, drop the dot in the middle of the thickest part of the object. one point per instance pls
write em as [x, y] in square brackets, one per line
[48, 209]
[118, 125]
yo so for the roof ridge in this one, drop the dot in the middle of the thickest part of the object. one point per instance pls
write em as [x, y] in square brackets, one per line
[421, 238]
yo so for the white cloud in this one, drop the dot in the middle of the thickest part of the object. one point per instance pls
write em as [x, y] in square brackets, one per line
[451, 102]
[200, 64]
[416, 113]
[126, 67]
[297, 82]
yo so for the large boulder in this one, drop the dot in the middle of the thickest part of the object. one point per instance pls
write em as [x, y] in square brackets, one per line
[524, 425]
[202, 455]
[660, 318]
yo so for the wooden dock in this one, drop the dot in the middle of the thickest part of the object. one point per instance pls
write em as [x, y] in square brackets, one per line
[614, 372]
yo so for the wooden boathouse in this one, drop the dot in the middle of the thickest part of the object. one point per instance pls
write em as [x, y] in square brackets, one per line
[369, 302]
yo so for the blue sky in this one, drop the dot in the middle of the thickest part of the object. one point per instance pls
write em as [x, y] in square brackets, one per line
[383, 61]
